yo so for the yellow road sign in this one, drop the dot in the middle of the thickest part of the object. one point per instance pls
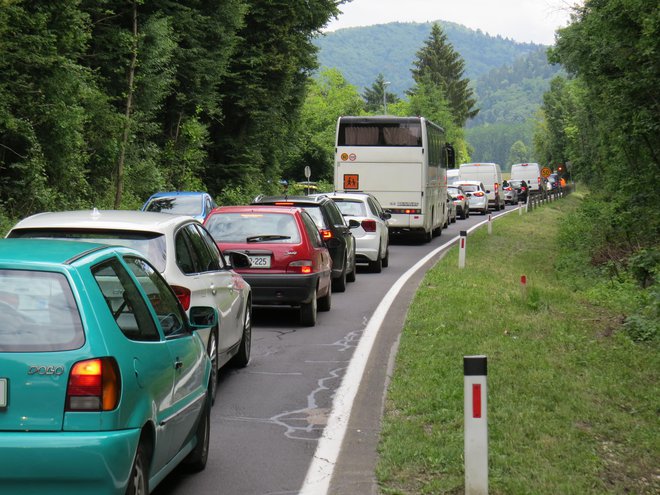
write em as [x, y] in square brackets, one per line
[545, 172]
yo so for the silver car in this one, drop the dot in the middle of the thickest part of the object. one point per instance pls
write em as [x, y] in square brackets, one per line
[183, 251]
[477, 198]
[372, 240]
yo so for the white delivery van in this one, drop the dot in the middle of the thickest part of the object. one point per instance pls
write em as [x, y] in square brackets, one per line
[530, 173]
[490, 174]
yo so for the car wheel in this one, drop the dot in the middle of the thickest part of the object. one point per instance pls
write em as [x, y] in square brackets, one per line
[212, 350]
[196, 460]
[308, 312]
[339, 283]
[139, 479]
[242, 357]
[350, 277]
[386, 258]
[463, 214]
[325, 303]
[376, 266]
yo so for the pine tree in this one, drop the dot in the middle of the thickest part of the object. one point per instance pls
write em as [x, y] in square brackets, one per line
[442, 65]
[373, 96]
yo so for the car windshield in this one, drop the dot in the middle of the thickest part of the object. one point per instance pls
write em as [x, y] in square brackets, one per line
[151, 244]
[254, 227]
[191, 205]
[38, 313]
[351, 208]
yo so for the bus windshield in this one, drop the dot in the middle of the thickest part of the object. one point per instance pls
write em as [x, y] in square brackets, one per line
[380, 134]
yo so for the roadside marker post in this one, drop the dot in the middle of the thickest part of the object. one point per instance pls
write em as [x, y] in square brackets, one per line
[476, 424]
[523, 287]
[461, 248]
[490, 223]
[520, 208]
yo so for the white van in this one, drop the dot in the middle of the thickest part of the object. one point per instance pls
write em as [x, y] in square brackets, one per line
[530, 173]
[491, 176]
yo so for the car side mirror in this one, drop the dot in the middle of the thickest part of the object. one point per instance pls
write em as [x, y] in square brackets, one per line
[203, 317]
[487, 190]
[238, 260]
[387, 216]
[352, 223]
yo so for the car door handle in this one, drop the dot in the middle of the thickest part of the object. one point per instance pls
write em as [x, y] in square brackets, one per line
[213, 289]
[178, 364]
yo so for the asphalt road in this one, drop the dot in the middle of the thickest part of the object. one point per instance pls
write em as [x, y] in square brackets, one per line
[268, 417]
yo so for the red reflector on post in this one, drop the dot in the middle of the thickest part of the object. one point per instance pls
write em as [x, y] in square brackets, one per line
[476, 400]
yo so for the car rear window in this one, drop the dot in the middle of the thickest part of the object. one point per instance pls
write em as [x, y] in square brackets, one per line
[254, 227]
[151, 244]
[180, 205]
[351, 208]
[38, 313]
[469, 188]
[317, 215]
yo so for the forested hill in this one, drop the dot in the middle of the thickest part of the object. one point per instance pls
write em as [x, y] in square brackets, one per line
[361, 53]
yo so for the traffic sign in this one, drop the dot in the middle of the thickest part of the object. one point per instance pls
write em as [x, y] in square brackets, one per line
[545, 172]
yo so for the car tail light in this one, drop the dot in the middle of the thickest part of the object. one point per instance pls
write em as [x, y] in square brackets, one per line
[460, 197]
[283, 203]
[94, 385]
[300, 266]
[326, 234]
[497, 187]
[523, 188]
[369, 225]
[478, 194]
[183, 295]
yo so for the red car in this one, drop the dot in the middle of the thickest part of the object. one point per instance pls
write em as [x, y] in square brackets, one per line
[290, 265]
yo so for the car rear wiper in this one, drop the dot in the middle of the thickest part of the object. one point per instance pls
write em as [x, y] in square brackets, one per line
[267, 237]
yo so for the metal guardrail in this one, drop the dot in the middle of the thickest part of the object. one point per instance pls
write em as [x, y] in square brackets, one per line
[539, 199]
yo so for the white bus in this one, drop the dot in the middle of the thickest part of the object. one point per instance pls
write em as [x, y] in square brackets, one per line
[402, 161]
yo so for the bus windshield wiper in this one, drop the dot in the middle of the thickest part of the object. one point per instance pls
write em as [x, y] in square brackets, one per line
[267, 237]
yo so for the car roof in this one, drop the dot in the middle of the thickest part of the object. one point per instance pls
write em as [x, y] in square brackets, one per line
[45, 251]
[135, 220]
[307, 200]
[178, 193]
[258, 208]
[469, 183]
[347, 195]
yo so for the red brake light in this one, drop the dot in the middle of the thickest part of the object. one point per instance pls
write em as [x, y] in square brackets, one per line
[301, 266]
[497, 187]
[369, 225]
[478, 194]
[326, 234]
[183, 295]
[460, 197]
[94, 385]
[283, 203]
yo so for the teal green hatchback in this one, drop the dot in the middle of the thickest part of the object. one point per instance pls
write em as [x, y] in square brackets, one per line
[103, 378]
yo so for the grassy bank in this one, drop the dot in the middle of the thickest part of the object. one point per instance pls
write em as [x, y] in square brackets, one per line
[573, 403]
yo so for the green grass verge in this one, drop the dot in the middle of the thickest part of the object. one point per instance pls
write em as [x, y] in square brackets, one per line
[572, 403]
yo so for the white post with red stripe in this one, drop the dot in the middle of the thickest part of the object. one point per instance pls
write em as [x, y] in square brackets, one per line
[461, 248]
[476, 425]
[490, 223]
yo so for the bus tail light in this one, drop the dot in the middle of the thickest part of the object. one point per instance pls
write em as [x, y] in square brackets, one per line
[94, 385]
[300, 266]
[404, 211]
[183, 295]
[369, 225]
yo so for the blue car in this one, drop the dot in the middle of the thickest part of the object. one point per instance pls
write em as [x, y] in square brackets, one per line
[103, 378]
[194, 204]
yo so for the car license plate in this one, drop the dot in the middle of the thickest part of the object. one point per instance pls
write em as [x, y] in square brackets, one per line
[3, 393]
[260, 261]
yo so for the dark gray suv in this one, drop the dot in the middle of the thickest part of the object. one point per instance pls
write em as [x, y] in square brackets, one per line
[334, 231]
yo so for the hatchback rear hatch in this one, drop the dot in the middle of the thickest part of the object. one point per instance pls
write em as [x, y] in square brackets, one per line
[40, 333]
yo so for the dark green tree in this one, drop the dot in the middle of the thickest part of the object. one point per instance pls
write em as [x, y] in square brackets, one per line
[377, 94]
[265, 88]
[439, 63]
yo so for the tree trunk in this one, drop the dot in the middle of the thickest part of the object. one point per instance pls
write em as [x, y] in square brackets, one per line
[127, 114]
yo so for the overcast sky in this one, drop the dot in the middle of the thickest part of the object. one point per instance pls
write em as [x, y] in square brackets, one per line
[521, 20]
